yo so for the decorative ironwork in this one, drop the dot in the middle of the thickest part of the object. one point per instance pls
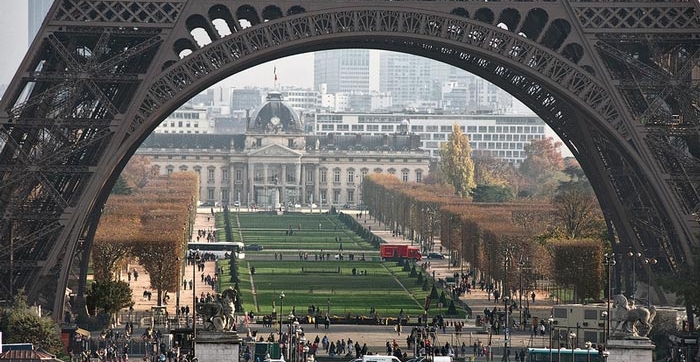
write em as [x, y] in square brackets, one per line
[616, 80]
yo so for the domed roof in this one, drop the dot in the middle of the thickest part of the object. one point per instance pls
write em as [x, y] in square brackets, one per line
[274, 116]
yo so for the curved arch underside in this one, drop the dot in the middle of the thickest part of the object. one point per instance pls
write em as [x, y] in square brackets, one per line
[616, 81]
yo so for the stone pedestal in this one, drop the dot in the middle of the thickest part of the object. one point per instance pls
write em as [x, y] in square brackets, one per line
[637, 349]
[217, 346]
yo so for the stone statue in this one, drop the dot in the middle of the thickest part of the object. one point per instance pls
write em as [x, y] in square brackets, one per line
[627, 315]
[219, 315]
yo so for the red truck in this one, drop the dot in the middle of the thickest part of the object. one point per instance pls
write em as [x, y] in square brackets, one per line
[390, 251]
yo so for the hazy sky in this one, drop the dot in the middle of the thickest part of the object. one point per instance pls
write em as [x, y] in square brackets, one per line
[13, 37]
[295, 70]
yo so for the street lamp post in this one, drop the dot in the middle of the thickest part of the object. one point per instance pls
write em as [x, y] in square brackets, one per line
[521, 264]
[634, 257]
[649, 262]
[281, 314]
[550, 320]
[609, 261]
[506, 331]
[290, 332]
[195, 259]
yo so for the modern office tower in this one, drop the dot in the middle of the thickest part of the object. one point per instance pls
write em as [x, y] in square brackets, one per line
[342, 70]
[412, 81]
[245, 99]
[37, 13]
[406, 77]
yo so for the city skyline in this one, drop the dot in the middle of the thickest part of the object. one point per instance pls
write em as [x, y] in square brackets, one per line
[292, 71]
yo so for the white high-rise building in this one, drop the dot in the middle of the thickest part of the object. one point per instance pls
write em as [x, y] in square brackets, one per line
[417, 82]
[406, 77]
[342, 70]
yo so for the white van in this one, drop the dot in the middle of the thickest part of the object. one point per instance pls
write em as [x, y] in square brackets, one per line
[379, 358]
[442, 359]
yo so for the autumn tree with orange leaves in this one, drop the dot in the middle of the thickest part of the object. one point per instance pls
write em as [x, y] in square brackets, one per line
[152, 225]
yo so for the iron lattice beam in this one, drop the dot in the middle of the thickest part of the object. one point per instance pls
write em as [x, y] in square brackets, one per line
[104, 73]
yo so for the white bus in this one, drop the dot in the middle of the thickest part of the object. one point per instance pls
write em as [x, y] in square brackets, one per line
[220, 249]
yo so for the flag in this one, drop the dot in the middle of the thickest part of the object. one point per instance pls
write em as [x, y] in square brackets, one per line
[275, 71]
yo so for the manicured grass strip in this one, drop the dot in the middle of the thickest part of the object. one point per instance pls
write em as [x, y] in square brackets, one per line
[273, 232]
[348, 294]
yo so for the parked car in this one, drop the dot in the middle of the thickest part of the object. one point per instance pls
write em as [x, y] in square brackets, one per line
[254, 247]
[236, 204]
[434, 255]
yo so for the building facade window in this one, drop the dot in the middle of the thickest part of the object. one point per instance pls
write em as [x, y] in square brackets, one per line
[224, 196]
[404, 175]
[324, 176]
[224, 174]
[239, 174]
[310, 176]
[336, 196]
[210, 175]
[336, 176]
[351, 196]
[210, 193]
[419, 176]
[351, 176]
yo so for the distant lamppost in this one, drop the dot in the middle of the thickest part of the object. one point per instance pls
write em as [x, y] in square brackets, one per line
[521, 265]
[194, 258]
[506, 331]
[604, 315]
[551, 321]
[649, 262]
[281, 313]
[609, 261]
[634, 257]
[291, 331]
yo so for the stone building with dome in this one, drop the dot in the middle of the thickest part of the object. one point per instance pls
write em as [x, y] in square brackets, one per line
[275, 163]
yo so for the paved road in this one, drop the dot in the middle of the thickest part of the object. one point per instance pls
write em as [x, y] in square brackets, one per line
[374, 336]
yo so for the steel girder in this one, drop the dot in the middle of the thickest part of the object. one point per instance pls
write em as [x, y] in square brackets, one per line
[615, 80]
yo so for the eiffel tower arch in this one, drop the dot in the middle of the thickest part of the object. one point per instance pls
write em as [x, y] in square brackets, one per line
[617, 81]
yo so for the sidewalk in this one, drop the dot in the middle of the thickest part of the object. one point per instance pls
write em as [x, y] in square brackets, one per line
[183, 297]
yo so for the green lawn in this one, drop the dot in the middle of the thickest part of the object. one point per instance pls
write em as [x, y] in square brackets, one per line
[383, 286]
[272, 232]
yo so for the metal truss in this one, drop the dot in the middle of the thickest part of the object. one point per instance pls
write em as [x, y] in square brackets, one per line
[616, 81]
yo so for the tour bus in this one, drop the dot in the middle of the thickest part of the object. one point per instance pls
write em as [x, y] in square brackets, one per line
[221, 249]
[565, 355]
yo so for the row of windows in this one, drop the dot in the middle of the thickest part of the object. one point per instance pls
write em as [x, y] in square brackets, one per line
[350, 176]
[471, 130]
[188, 115]
[181, 131]
[183, 157]
[486, 137]
[364, 159]
[479, 129]
[181, 124]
